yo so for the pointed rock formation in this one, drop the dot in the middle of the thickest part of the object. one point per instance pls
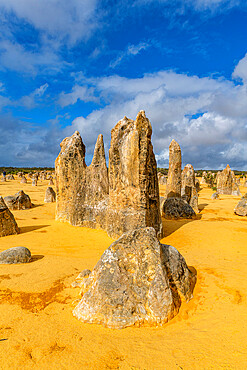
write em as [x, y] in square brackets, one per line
[226, 182]
[50, 195]
[133, 190]
[189, 191]
[8, 225]
[81, 190]
[173, 187]
[136, 281]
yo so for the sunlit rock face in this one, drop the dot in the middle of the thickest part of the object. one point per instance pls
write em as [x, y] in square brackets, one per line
[137, 281]
[80, 189]
[173, 187]
[8, 225]
[226, 182]
[189, 190]
[120, 199]
[133, 182]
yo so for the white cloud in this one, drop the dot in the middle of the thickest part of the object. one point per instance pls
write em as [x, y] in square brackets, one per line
[30, 101]
[62, 19]
[240, 70]
[15, 57]
[82, 93]
[205, 115]
[131, 50]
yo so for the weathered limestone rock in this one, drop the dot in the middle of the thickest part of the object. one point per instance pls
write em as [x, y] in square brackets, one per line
[8, 225]
[82, 192]
[197, 182]
[50, 195]
[241, 207]
[133, 182]
[173, 187]
[245, 184]
[10, 177]
[51, 182]
[175, 208]
[188, 191]
[34, 182]
[136, 281]
[18, 201]
[15, 255]
[126, 197]
[215, 196]
[23, 180]
[226, 182]
[3, 179]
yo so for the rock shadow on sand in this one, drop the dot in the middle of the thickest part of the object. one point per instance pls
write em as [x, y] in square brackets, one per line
[36, 257]
[170, 226]
[202, 206]
[27, 229]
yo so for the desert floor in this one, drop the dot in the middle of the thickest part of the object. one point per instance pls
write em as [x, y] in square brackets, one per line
[38, 330]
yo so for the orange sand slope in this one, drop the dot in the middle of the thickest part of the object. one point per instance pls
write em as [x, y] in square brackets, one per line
[38, 331]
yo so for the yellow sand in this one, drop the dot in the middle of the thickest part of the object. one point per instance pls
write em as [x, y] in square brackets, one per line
[36, 300]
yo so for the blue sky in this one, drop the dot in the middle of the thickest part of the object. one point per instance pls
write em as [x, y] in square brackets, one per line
[85, 64]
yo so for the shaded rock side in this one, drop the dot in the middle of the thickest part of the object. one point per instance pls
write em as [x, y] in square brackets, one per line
[173, 187]
[8, 225]
[133, 182]
[15, 255]
[175, 208]
[18, 201]
[226, 182]
[50, 195]
[137, 281]
[81, 191]
[189, 190]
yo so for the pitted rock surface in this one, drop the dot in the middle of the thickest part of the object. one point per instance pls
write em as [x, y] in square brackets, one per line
[8, 225]
[175, 208]
[15, 255]
[133, 182]
[136, 281]
[173, 187]
[18, 201]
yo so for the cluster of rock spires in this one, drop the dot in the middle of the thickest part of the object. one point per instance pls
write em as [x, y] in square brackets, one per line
[120, 199]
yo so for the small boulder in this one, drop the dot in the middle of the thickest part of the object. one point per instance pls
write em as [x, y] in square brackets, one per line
[18, 201]
[15, 255]
[241, 207]
[51, 182]
[34, 182]
[50, 195]
[215, 195]
[3, 179]
[137, 281]
[8, 225]
[175, 208]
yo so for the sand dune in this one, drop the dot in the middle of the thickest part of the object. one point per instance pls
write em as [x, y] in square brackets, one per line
[38, 330]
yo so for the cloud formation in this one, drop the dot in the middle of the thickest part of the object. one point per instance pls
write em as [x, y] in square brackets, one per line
[207, 116]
